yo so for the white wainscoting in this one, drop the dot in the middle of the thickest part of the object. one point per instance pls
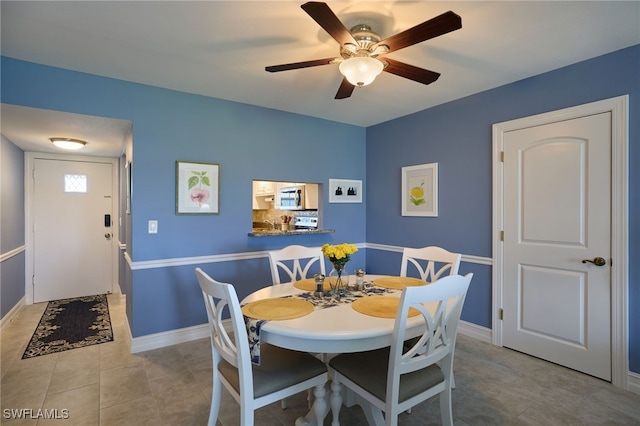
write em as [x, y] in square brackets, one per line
[633, 382]
[159, 340]
[475, 331]
[172, 337]
[168, 338]
[231, 257]
[12, 313]
[11, 253]
[16, 308]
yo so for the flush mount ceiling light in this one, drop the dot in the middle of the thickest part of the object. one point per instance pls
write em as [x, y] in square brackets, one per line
[68, 143]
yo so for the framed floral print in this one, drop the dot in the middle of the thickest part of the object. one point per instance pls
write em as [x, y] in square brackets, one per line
[197, 188]
[420, 190]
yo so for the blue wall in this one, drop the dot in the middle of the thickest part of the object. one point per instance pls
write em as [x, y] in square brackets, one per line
[12, 225]
[250, 143]
[458, 135]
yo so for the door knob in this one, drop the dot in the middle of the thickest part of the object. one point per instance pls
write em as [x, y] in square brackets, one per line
[107, 236]
[598, 261]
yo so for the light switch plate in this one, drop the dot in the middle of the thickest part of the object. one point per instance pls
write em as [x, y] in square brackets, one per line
[153, 226]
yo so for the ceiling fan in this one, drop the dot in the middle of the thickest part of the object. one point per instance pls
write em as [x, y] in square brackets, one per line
[362, 50]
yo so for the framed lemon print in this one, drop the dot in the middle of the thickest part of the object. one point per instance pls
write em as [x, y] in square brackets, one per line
[420, 190]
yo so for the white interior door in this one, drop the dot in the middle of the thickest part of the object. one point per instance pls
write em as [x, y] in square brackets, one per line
[73, 246]
[557, 213]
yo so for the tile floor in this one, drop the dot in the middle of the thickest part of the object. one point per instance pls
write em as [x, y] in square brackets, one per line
[106, 385]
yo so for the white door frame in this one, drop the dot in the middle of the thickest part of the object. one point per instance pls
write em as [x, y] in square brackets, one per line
[619, 109]
[29, 189]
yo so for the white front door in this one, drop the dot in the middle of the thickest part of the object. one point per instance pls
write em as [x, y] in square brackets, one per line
[557, 220]
[72, 239]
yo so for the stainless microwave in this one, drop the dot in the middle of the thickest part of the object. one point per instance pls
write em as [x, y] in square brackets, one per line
[291, 198]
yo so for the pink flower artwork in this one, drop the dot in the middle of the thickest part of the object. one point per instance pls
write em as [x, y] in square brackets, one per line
[197, 188]
[199, 195]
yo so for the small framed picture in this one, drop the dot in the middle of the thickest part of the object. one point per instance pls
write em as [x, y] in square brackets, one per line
[420, 190]
[127, 167]
[197, 188]
[345, 191]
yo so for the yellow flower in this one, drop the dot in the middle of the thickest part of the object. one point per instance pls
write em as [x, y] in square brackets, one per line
[416, 195]
[417, 192]
[340, 252]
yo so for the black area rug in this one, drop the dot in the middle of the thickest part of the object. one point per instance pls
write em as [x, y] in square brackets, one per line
[71, 324]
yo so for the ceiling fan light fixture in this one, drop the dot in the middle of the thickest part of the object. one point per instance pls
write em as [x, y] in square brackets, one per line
[68, 143]
[361, 70]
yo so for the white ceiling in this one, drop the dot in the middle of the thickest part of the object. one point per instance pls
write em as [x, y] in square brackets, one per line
[31, 128]
[220, 48]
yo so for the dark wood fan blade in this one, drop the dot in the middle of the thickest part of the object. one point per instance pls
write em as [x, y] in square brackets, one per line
[297, 65]
[435, 27]
[324, 16]
[409, 71]
[345, 90]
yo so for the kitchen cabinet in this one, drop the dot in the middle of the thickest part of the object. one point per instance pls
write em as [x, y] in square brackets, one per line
[263, 187]
[263, 194]
[311, 196]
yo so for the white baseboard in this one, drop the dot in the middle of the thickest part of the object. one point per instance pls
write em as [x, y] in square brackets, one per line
[173, 337]
[12, 313]
[128, 330]
[633, 382]
[475, 331]
[169, 338]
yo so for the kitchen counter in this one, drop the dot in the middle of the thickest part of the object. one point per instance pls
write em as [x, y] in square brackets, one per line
[261, 232]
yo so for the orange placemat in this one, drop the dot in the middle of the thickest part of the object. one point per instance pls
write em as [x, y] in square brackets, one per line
[309, 284]
[277, 309]
[380, 306]
[398, 282]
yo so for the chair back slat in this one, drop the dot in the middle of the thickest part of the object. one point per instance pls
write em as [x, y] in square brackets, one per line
[288, 261]
[431, 263]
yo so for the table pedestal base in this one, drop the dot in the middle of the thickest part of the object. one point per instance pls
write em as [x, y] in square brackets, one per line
[373, 415]
[318, 412]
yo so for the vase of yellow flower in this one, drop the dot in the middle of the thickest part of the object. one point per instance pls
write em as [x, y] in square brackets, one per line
[339, 255]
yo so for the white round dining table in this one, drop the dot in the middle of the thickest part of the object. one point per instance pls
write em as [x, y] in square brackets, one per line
[332, 330]
[337, 329]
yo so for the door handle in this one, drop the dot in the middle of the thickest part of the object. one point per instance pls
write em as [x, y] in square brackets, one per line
[107, 235]
[598, 261]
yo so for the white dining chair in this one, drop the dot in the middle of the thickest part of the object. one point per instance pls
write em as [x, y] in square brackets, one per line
[394, 379]
[430, 262]
[281, 373]
[288, 261]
